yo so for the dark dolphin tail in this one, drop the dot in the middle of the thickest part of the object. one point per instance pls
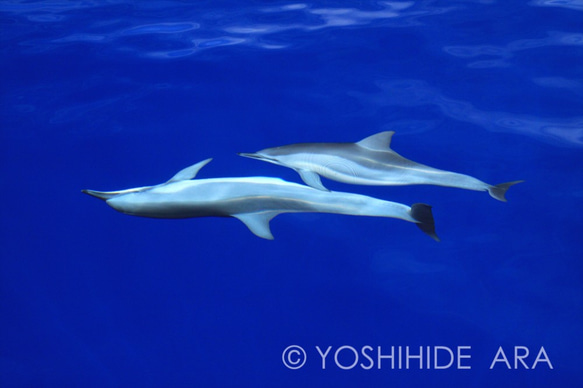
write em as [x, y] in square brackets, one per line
[424, 217]
[498, 191]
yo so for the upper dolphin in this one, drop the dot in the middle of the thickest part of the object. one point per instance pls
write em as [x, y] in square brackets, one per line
[370, 161]
[253, 200]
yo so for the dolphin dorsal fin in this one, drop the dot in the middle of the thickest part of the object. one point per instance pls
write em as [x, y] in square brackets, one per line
[258, 223]
[379, 142]
[189, 172]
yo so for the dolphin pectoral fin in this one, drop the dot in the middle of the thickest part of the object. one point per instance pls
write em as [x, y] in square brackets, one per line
[258, 223]
[379, 142]
[312, 179]
[424, 217]
[189, 172]
[498, 191]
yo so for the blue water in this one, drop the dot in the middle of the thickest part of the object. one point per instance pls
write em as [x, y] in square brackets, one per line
[117, 94]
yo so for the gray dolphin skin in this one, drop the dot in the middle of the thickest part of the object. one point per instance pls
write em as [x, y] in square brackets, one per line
[252, 200]
[370, 161]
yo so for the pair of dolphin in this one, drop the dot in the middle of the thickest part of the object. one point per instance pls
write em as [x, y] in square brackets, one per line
[257, 200]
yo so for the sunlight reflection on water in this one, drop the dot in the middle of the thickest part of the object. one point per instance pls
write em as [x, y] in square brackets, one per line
[407, 93]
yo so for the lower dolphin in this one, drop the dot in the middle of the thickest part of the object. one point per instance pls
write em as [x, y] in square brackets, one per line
[370, 161]
[252, 200]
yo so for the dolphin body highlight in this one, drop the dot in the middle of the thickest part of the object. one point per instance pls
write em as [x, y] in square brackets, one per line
[252, 200]
[370, 161]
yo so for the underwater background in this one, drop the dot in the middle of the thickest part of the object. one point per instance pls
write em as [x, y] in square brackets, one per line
[111, 94]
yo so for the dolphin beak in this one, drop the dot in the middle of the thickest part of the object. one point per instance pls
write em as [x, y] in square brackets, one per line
[246, 155]
[104, 195]
[258, 157]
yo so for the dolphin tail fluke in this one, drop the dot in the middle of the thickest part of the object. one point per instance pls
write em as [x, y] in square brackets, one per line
[498, 191]
[424, 217]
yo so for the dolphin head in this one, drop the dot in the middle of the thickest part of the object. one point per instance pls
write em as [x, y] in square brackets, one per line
[122, 200]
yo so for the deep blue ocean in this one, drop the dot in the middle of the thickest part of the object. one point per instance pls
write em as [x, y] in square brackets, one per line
[115, 94]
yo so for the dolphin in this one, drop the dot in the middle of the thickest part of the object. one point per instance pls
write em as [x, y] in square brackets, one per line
[252, 200]
[370, 161]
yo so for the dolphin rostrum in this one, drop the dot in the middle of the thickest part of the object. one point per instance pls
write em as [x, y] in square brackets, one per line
[370, 161]
[252, 200]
